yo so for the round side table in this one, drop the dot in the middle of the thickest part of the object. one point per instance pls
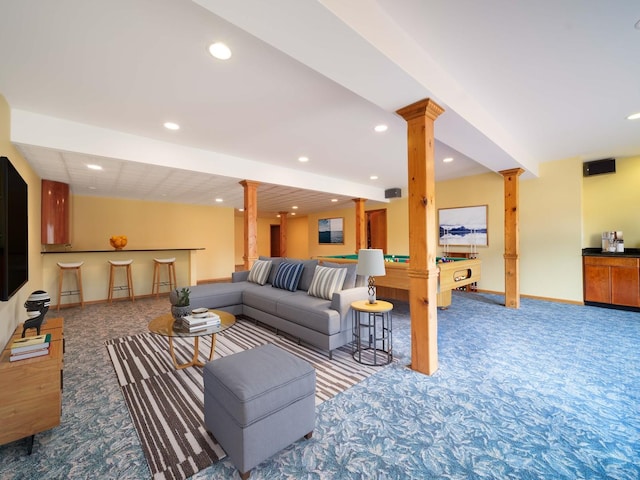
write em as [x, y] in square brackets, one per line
[372, 330]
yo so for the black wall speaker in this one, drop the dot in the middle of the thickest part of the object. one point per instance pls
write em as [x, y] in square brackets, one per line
[598, 167]
[392, 193]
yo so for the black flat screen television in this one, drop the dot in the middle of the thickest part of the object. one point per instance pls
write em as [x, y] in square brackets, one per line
[14, 230]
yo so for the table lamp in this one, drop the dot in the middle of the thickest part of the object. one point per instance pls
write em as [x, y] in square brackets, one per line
[371, 264]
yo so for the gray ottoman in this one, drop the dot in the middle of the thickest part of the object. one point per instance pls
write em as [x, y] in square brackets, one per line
[258, 402]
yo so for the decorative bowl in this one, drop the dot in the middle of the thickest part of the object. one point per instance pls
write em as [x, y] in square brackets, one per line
[200, 313]
[118, 241]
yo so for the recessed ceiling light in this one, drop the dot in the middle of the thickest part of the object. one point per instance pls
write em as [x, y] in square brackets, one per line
[93, 166]
[373, 177]
[295, 207]
[171, 126]
[293, 213]
[220, 51]
[303, 159]
[334, 200]
[219, 200]
[447, 160]
[241, 209]
[634, 116]
[380, 128]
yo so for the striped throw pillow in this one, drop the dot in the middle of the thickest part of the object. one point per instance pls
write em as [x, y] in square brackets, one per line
[288, 276]
[259, 272]
[326, 281]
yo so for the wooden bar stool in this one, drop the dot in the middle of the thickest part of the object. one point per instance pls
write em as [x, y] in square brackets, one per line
[118, 288]
[157, 273]
[71, 268]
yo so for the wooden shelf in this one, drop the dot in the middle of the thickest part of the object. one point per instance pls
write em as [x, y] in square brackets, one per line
[31, 400]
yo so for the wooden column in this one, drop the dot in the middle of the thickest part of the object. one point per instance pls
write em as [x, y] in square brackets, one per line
[423, 272]
[511, 237]
[250, 222]
[361, 224]
[283, 233]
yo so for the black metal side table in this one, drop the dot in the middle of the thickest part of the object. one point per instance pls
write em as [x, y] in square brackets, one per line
[372, 330]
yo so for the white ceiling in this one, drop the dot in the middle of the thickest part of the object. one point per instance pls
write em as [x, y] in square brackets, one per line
[522, 83]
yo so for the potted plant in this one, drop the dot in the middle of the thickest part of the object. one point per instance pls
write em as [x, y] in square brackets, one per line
[180, 306]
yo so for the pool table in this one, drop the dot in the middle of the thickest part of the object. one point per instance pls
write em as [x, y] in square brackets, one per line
[456, 272]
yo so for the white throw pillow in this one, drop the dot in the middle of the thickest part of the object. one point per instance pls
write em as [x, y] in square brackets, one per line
[260, 272]
[326, 281]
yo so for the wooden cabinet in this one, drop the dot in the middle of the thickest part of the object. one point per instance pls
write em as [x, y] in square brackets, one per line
[611, 280]
[31, 393]
[54, 215]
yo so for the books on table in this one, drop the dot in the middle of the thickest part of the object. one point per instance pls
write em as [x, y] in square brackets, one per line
[32, 354]
[29, 347]
[200, 322]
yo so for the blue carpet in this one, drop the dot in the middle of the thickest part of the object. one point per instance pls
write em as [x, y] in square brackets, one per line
[548, 391]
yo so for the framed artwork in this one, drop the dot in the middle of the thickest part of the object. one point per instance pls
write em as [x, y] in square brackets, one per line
[463, 226]
[331, 231]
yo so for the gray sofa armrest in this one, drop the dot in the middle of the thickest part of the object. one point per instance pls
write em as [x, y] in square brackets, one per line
[342, 300]
[239, 276]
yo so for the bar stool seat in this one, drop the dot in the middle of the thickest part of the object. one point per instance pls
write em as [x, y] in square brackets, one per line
[71, 267]
[171, 275]
[115, 264]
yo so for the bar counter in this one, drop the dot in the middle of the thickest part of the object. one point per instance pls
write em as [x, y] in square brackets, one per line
[45, 252]
[597, 252]
[95, 271]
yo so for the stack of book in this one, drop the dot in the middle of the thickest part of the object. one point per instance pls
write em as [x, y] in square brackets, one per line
[193, 323]
[29, 347]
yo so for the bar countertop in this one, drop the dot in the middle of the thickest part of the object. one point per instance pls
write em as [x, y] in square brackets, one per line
[112, 250]
[597, 252]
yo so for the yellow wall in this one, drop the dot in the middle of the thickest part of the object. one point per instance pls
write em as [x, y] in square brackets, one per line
[349, 246]
[486, 189]
[611, 203]
[157, 225]
[238, 223]
[551, 232]
[12, 312]
[298, 237]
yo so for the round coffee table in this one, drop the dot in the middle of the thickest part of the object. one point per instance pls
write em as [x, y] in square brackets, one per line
[165, 325]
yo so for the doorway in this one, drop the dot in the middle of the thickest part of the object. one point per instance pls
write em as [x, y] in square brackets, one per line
[377, 229]
[275, 240]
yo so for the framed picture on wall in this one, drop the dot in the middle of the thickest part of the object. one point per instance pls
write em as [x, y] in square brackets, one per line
[331, 231]
[463, 226]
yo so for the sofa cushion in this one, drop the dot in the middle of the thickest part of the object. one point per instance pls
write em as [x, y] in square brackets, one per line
[314, 313]
[260, 272]
[264, 298]
[350, 279]
[216, 295]
[307, 272]
[288, 276]
[326, 281]
[275, 261]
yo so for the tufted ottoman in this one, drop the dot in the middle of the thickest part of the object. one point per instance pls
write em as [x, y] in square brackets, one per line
[258, 402]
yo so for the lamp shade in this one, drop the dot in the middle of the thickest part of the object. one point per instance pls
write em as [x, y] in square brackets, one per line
[370, 262]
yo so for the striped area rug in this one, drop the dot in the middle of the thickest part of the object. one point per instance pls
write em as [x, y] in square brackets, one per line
[166, 404]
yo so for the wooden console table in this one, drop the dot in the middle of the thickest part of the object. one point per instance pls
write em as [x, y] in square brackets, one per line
[31, 397]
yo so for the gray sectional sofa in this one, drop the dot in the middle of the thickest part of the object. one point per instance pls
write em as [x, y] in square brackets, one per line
[322, 322]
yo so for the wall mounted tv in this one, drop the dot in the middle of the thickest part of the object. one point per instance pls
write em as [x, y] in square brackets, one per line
[14, 230]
